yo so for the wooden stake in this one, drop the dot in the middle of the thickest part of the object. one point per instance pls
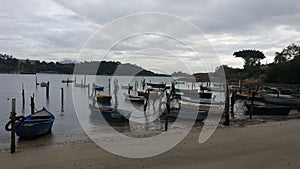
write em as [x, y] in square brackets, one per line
[109, 86]
[23, 97]
[227, 119]
[47, 90]
[32, 104]
[252, 103]
[62, 99]
[167, 112]
[13, 126]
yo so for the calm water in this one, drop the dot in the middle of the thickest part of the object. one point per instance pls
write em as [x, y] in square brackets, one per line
[66, 126]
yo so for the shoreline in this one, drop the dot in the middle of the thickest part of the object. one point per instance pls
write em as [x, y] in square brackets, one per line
[267, 145]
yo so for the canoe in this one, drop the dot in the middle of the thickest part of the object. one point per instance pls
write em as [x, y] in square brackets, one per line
[268, 110]
[127, 87]
[146, 94]
[102, 98]
[282, 99]
[97, 87]
[35, 125]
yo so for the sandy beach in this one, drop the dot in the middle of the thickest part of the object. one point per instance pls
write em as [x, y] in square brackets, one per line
[269, 145]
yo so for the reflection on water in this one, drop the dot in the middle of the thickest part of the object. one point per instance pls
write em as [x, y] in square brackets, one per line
[66, 125]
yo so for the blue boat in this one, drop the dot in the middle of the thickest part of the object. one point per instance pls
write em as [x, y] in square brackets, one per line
[36, 124]
[97, 87]
[110, 114]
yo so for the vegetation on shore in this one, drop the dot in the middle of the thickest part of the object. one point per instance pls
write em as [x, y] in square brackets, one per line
[284, 69]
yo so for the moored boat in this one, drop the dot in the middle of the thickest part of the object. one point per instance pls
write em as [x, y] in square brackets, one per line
[137, 99]
[36, 124]
[97, 87]
[102, 98]
[282, 99]
[111, 114]
[268, 109]
[67, 81]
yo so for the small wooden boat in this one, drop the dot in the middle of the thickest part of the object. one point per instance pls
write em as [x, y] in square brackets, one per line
[248, 97]
[44, 84]
[36, 124]
[102, 98]
[136, 99]
[67, 81]
[157, 85]
[281, 99]
[111, 114]
[268, 109]
[187, 114]
[97, 87]
[201, 100]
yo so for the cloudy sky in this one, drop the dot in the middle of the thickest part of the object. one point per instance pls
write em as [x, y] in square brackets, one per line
[165, 35]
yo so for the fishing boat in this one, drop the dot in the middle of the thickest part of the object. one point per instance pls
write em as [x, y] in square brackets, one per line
[201, 100]
[268, 109]
[185, 114]
[157, 85]
[136, 99]
[281, 99]
[97, 87]
[44, 84]
[67, 81]
[111, 114]
[102, 98]
[36, 124]
[243, 96]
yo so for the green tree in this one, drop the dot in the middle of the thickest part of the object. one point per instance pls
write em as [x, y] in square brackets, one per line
[251, 59]
[287, 54]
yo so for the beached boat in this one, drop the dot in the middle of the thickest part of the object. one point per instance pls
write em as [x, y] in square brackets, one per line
[136, 99]
[268, 109]
[281, 99]
[97, 87]
[243, 96]
[111, 114]
[67, 81]
[36, 124]
[186, 114]
[102, 98]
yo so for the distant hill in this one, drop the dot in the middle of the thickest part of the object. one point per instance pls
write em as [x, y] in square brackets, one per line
[9, 64]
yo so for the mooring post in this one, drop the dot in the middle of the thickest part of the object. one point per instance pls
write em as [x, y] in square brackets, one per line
[88, 89]
[167, 111]
[13, 126]
[252, 103]
[227, 118]
[23, 97]
[109, 87]
[128, 88]
[36, 83]
[32, 104]
[232, 101]
[47, 90]
[298, 105]
[84, 80]
[62, 99]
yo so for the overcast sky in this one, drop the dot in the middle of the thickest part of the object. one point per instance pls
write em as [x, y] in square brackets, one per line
[56, 30]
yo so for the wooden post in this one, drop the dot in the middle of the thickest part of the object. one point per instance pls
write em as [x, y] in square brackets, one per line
[62, 99]
[109, 87]
[13, 126]
[84, 80]
[47, 90]
[226, 111]
[232, 101]
[23, 97]
[32, 104]
[128, 89]
[88, 89]
[240, 86]
[298, 105]
[36, 83]
[167, 111]
[252, 103]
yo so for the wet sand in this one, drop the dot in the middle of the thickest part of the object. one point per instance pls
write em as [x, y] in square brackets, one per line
[270, 145]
